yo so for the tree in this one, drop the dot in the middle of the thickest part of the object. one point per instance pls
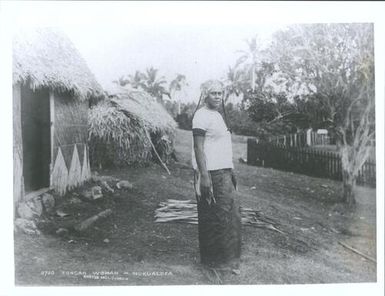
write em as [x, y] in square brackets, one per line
[177, 85]
[154, 85]
[250, 60]
[235, 83]
[135, 81]
[267, 104]
[255, 77]
[122, 81]
[184, 119]
[334, 65]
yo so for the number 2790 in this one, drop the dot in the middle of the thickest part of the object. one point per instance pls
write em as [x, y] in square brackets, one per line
[47, 272]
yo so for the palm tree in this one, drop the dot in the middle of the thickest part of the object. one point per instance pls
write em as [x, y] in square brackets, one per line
[177, 85]
[250, 59]
[122, 81]
[234, 83]
[154, 85]
[137, 80]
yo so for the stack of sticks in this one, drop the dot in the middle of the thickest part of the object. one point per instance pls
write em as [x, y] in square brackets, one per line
[185, 211]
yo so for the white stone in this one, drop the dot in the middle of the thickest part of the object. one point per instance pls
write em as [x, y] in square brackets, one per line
[61, 214]
[96, 192]
[124, 184]
[26, 226]
[25, 212]
[61, 231]
[36, 206]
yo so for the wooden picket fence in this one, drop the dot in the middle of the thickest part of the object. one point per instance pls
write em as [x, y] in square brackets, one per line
[292, 140]
[305, 161]
[302, 139]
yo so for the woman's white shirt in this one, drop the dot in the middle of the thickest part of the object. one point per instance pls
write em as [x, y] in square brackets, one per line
[217, 144]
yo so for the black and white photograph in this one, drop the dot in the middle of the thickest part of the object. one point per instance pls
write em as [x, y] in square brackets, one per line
[227, 145]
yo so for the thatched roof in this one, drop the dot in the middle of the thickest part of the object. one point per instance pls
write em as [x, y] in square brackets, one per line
[45, 57]
[144, 107]
[119, 129]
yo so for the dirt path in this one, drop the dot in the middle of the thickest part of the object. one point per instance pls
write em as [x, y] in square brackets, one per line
[128, 248]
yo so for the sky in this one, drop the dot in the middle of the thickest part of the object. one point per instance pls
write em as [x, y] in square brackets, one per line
[198, 52]
[197, 39]
[117, 39]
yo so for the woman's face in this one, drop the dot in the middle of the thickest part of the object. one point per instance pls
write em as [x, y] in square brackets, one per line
[214, 97]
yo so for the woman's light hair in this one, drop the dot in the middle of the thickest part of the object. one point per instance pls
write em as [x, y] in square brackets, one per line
[209, 85]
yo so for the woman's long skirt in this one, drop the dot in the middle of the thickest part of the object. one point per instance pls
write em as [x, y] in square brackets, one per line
[219, 224]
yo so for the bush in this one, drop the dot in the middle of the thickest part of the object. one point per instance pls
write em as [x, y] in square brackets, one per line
[240, 122]
[184, 121]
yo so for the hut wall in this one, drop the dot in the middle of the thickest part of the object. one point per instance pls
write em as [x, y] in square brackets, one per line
[70, 151]
[18, 182]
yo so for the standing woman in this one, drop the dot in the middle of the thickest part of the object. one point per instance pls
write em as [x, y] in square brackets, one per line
[219, 221]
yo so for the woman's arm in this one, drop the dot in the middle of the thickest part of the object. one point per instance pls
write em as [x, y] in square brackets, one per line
[201, 161]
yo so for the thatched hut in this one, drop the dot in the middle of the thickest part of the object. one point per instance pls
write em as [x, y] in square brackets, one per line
[124, 127]
[52, 86]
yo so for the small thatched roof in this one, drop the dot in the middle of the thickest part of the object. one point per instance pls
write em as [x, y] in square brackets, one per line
[120, 127]
[144, 107]
[45, 57]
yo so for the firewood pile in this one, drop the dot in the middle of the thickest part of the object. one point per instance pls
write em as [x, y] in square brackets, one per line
[185, 211]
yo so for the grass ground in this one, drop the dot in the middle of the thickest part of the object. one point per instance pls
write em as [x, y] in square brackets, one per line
[128, 248]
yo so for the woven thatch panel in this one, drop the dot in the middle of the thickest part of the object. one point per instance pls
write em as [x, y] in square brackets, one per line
[68, 175]
[71, 126]
[45, 57]
[86, 170]
[81, 148]
[67, 151]
[60, 174]
[71, 122]
[70, 139]
[75, 170]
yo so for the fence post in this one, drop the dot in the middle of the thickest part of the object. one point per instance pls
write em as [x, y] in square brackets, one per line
[331, 164]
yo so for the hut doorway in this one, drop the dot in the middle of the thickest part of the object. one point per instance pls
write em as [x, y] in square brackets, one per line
[35, 126]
